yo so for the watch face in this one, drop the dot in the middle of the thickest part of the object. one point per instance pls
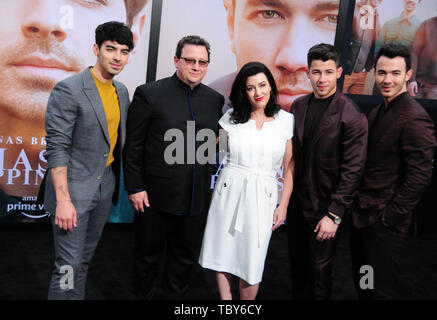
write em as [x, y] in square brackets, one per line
[337, 220]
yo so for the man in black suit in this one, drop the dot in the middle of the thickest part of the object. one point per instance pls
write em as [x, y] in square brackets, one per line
[398, 169]
[170, 199]
[329, 147]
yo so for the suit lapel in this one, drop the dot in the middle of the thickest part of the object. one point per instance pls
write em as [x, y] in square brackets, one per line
[300, 114]
[93, 96]
[122, 107]
[372, 118]
[373, 114]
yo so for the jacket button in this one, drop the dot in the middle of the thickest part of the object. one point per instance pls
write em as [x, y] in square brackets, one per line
[99, 177]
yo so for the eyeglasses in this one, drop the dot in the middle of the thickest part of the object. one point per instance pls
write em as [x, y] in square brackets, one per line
[192, 62]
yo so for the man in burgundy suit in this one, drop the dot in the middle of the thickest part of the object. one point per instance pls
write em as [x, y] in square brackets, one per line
[398, 169]
[329, 146]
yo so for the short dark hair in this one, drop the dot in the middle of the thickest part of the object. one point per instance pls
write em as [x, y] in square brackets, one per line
[133, 7]
[195, 40]
[324, 52]
[392, 50]
[114, 31]
[238, 96]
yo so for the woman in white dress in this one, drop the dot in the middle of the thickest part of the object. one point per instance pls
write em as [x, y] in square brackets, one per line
[243, 210]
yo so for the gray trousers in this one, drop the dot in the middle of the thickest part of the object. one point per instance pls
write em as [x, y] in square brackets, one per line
[74, 250]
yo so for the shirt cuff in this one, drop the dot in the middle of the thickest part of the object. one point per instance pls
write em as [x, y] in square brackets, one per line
[136, 190]
[337, 209]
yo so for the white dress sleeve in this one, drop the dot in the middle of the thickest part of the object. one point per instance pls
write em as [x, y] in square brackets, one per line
[288, 124]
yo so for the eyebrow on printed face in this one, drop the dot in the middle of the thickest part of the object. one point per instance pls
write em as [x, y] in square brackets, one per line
[314, 5]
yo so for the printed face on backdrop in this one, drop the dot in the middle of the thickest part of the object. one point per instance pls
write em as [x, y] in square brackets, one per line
[375, 3]
[279, 34]
[410, 5]
[42, 42]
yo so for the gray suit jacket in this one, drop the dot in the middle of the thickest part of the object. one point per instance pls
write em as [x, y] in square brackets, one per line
[77, 137]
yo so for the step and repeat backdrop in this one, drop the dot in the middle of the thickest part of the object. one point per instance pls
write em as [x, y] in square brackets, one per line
[412, 23]
[44, 42]
[275, 32]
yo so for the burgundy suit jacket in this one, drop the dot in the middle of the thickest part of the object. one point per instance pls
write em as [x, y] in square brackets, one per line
[399, 164]
[337, 157]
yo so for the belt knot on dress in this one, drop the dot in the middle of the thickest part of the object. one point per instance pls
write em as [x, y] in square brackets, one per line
[255, 199]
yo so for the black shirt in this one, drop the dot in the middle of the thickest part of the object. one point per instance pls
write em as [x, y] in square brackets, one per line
[383, 109]
[315, 111]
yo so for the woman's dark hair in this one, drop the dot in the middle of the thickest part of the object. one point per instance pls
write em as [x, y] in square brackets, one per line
[238, 96]
[114, 31]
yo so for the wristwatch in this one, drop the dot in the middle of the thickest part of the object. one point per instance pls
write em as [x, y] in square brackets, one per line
[335, 219]
[384, 223]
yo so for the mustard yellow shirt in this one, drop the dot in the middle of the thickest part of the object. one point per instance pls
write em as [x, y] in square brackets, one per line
[112, 111]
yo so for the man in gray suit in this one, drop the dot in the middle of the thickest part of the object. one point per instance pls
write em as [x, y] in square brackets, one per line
[85, 124]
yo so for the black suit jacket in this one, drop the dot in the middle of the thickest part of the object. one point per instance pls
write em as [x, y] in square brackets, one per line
[157, 107]
[399, 164]
[337, 158]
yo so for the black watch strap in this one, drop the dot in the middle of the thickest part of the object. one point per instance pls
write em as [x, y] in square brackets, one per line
[336, 220]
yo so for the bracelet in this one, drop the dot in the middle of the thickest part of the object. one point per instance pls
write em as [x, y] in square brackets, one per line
[63, 200]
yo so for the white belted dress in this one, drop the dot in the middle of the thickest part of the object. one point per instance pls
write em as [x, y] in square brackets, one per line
[240, 218]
